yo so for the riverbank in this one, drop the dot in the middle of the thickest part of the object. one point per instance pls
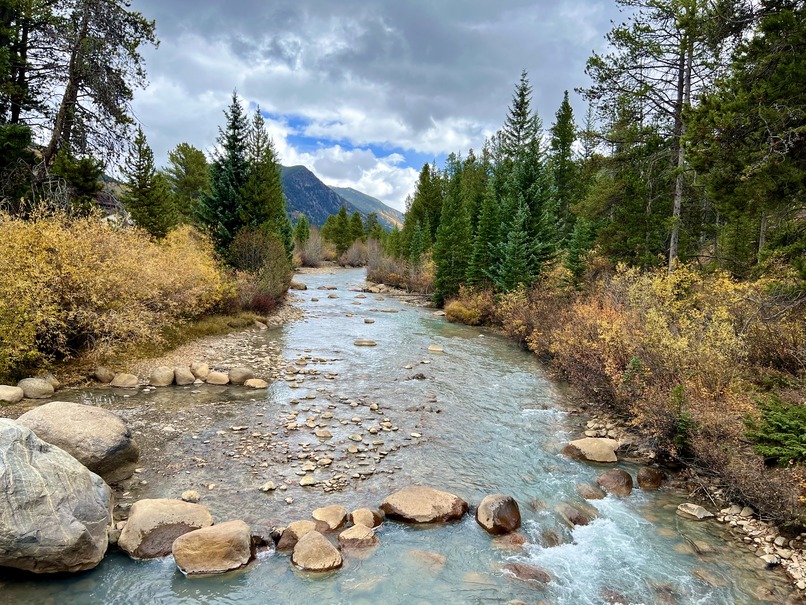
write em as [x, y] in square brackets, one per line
[432, 403]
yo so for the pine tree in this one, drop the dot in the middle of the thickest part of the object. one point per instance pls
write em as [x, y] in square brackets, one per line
[148, 198]
[188, 177]
[486, 238]
[520, 126]
[425, 206]
[515, 253]
[342, 234]
[453, 237]
[83, 179]
[356, 227]
[373, 227]
[219, 208]
[564, 169]
[302, 230]
[262, 197]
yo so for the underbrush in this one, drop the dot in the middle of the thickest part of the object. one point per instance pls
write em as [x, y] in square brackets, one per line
[68, 285]
[383, 269]
[684, 358]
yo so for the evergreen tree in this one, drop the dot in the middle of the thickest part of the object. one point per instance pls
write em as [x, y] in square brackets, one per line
[453, 237]
[579, 243]
[302, 230]
[373, 228]
[420, 244]
[356, 227]
[219, 208]
[486, 239]
[328, 228]
[147, 197]
[425, 206]
[564, 169]
[188, 176]
[520, 126]
[342, 235]
[515, 254]
[83, 179]
[262, 197]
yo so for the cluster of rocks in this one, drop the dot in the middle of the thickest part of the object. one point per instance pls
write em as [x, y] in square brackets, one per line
[196, 373]
[40, 387]
[767, 542]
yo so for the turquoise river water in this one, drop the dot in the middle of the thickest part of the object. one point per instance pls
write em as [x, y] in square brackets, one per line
[489, 420]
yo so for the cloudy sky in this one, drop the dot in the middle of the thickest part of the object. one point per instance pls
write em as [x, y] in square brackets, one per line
[362, 92]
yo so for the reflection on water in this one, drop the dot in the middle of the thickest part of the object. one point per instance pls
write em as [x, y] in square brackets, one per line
[490, 420]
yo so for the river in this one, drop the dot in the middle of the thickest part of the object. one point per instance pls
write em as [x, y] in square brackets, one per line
[481, 417]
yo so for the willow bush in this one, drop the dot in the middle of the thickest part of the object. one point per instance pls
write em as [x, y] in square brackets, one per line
[70, 285]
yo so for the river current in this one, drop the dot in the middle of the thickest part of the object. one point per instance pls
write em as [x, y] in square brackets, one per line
[481, 417]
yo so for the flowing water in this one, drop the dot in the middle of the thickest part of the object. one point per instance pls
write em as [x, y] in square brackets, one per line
[485, 419]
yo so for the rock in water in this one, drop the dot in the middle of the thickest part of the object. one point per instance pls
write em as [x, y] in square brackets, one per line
[161, 376]
[94, 436]
[693, 511]
[293, 533]
[214, 549]
[358, 536]
[240, 375]
[367, 517]
[183, 376]
[649, 478]
[125, 381]
[592, 450]
[365, 343]
[103, 375]
[615, 481]
[200, 369]
[36, 388]
[334, 515]
[314, 552]
[218, 378]
[153, 526]
[419, 504]
[54, 512]
[528, 573]
[498, 514]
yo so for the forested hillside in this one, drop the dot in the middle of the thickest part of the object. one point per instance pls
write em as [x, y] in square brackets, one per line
[652, 250]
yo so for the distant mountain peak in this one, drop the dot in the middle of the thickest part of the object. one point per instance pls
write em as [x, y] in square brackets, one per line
[306, 194]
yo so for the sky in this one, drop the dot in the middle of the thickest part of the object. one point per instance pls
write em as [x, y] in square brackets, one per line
[362, 92]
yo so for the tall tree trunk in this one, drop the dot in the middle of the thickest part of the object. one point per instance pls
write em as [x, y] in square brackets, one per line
[20, 93]
[762, 234]
[64, 118]
[683, 100]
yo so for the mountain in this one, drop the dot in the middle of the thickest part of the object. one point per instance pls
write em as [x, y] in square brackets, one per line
[306, 194]
[366, 204]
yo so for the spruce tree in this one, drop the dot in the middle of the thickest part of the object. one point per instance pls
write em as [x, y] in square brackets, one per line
[515, 254]
[302, 230]
[188, 176]
[520, 126]
[486, 238]
[147, 198]
[356, 227]
[219, 208]
[453, 238]
[373, 227]
[564, 169]
[262, 197]
[341, 234]
[420, 244]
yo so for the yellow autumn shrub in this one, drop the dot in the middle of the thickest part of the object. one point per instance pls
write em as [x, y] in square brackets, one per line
[76, 284]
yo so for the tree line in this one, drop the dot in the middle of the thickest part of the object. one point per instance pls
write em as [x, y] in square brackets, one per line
[692, 150]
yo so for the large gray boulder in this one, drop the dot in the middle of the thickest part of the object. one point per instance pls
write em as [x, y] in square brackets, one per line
[215, 549]
[54, 512]
[94, 436]
[498, 514]
[154, 524]
[125, 381]
[419, 504]
[615, 481]
[36, 388]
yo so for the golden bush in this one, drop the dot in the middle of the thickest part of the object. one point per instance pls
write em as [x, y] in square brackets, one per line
[74, 284]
